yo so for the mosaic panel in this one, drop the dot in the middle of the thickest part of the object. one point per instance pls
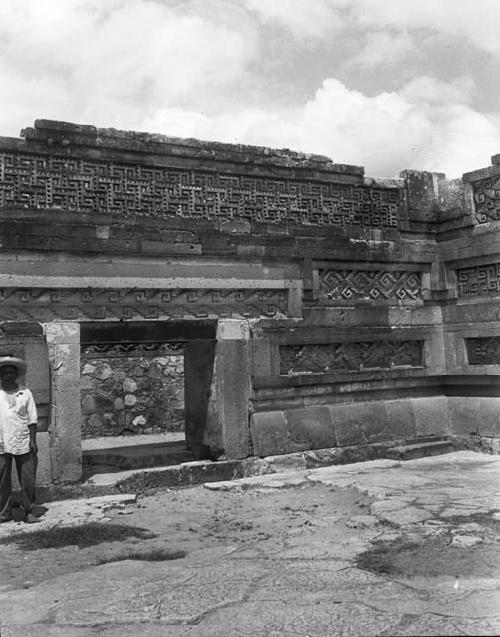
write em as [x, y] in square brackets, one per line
[356, 356]
[352, 285]
[35, 181]
[480, 280]
[486, 194]
[483, 351]
[42, 304]
[132, 349]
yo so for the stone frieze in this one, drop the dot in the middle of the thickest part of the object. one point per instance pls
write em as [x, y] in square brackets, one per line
[350, 356]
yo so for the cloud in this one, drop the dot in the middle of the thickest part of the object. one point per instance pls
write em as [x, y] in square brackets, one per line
[308, 19]
[102, 59]
[413, 128]
[382, 48]
[477, 21]
[207, 69]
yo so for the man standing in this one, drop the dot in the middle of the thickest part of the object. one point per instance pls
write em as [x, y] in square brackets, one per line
[18, 421]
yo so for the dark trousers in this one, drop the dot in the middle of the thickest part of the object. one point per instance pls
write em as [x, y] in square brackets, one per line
[26, 472]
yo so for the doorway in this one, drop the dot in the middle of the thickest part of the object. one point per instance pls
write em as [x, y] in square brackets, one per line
[144, 392]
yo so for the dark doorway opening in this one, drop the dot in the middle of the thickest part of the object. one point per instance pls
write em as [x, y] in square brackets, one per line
[144, 389]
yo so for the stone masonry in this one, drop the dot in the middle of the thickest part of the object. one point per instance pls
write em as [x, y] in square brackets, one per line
[315, 306]
[132, 392]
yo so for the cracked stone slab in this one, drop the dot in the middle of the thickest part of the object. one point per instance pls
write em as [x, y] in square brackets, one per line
[72, 513]
[408, 515]
[465, 541]
[435, 624]
[390, 504]
[362, 522]
[130, 591]
[451, 512]
[277, 619]
[266, 481]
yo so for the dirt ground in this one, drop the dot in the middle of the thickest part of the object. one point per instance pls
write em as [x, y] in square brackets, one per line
[378, 548]
[190, 520]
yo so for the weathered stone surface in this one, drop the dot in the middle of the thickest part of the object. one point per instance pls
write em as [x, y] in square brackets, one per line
[133, 398]
[380, 296]
[465, 541]
[273, 557]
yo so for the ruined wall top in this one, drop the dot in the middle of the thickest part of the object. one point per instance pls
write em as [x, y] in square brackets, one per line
[65, 134]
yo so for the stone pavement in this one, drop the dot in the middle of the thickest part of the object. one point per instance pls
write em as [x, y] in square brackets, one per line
[435, 520]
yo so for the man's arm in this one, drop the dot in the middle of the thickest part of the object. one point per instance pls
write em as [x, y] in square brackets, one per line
[32, 422]
[33, 445]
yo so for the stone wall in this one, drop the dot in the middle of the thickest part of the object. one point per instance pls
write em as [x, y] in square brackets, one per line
[130, 390]
[346, 309]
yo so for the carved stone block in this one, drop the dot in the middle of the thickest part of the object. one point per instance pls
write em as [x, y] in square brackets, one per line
[352, 285]
[483, 351]
[354, 356]
[70, 184]
[47, 304]
[486, 193]
[479, 280]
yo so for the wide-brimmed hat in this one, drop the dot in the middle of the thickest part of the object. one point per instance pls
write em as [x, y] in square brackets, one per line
[18, 363]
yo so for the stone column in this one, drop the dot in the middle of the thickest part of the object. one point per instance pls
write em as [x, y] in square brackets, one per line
[63, 341]
[229, 405]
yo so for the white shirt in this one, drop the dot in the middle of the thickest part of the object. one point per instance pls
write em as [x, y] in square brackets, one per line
[17, 412]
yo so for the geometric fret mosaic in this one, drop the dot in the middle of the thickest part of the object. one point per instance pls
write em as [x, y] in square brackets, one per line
[68, 184]
[47, 304]
[479, 280]
[350, 285]
[483, 350]
[486, 194]
[117, 350]
[355, 356]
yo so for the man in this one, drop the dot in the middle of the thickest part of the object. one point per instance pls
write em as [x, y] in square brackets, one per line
[18, 421]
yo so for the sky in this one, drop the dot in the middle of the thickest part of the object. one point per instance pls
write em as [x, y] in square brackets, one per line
[385, 84]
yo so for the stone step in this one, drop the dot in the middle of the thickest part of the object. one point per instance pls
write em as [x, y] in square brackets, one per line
[420, 450]
[138, 456]
[421, 439]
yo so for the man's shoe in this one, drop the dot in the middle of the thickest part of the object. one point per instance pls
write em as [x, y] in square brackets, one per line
[2, 519]
[31, 519]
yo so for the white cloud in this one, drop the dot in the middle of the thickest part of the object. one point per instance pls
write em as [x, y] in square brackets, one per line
[477, 21]
[196, 69]
[388, 132]
[310, 19]
[103, 59]
[381, 48]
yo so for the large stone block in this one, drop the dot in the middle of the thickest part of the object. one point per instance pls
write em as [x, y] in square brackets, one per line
[261, 357]
[269, 433]
[431, 415]
[62, 332]
[310, 428]
[64, 352]
[360, 423]
[38, 373]
[401, 419]
[475, 415]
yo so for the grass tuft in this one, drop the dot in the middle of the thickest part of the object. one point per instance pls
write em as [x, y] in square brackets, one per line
[83, 535]
[380, 559]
